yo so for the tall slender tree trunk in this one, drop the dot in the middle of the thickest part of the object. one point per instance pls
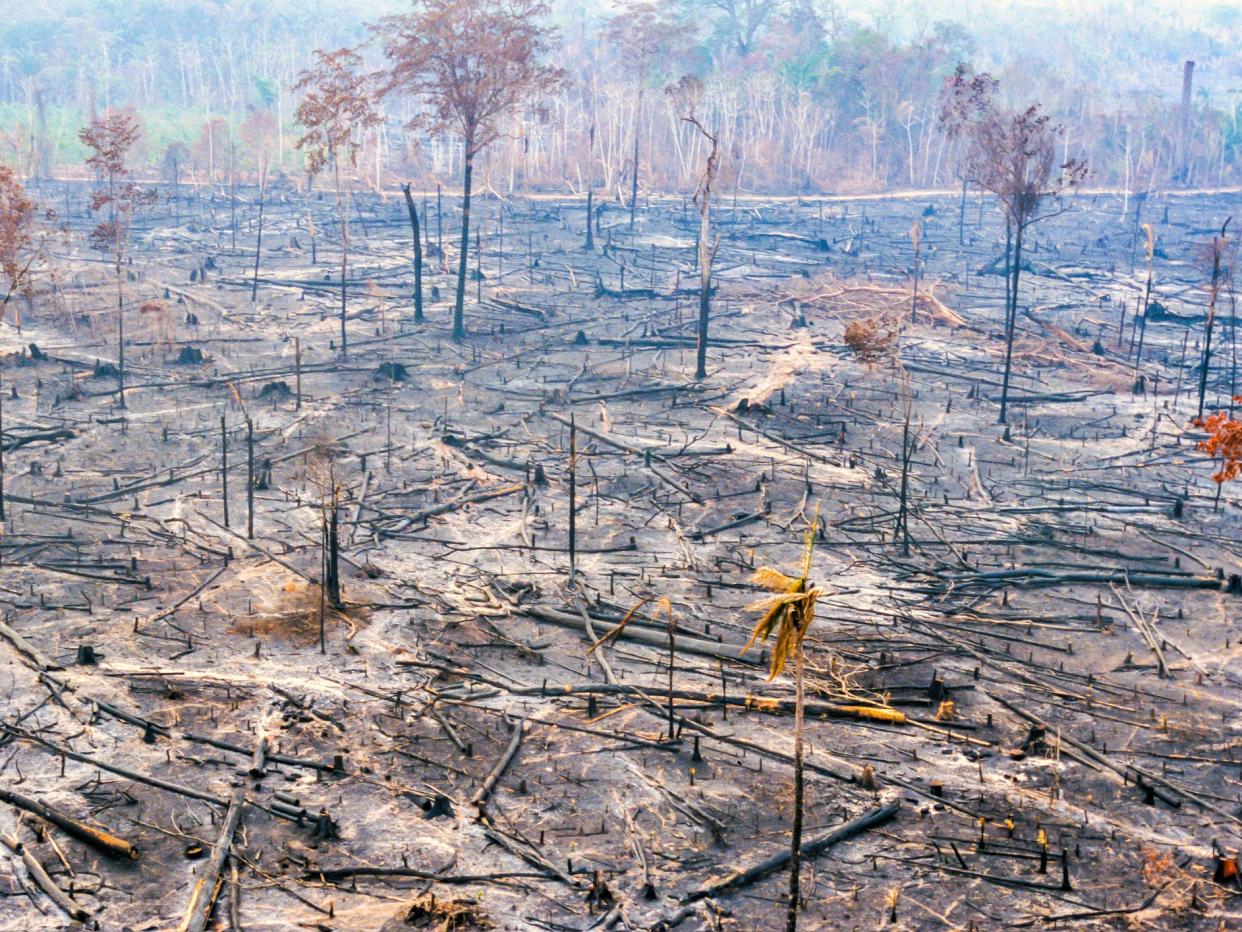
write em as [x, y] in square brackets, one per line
[459, 324]
[961, 217]
[795, 854]
[638, 113]
[333, 558]
[120, 331]
[418, 255]
[705, 287]
[590, 204]
[342, 220]
[1011, 316]
[1217, 248]
[258, 243]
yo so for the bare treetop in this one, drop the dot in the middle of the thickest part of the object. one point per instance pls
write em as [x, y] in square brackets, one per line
[1010, 154]
[642, 32]
[470, 62]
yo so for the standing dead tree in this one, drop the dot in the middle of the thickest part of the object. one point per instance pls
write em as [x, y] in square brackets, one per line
[470, 64]
[110, 139]
[1220, 270]
[337, 109]
[1012, 155]
[176, 157]
[259, 133]
[418, 254]
[685, 94]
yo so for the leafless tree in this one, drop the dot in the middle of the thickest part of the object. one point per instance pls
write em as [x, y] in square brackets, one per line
[1012, 155]
[1221, 269]
[685, 94]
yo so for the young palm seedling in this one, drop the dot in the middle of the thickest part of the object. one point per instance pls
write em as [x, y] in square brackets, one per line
[788, 614]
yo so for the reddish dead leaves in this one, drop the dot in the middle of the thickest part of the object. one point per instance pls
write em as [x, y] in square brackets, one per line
[1224, 442]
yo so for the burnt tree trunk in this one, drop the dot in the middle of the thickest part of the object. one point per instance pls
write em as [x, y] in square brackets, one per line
[258, 245]
[418, 255]
[795, 854]
[634, 179]
[333, 574]
[1013, 268]
[459, 308]
[343, 221]
[120, 330]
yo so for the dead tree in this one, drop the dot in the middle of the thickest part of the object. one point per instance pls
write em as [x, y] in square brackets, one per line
[337, 109]
[685, 93]
[418, 254]
[175, 155]
[471, 64]
[259, 132]
[1012, 155]
[589, 246]
[1183, 135]
[1216, 253]
[110, 139]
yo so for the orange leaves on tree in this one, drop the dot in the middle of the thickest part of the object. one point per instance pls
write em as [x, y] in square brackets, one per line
[1223, 442]
[110, 139]
[470, 64]
[339, 101]
[17, 213]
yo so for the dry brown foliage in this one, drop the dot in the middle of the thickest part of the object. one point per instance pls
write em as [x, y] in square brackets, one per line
[472, 63]
[338, 104]
[1224, 442]
[291, 614]
[873, 339]
[17, 213]
[427, 912]
[856, 300]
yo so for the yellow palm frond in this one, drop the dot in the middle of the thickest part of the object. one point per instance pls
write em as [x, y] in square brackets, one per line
[769, 601]
[790, 612]
[774, 580]
[763, 628]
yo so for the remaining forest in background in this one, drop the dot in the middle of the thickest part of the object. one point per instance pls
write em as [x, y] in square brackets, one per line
[813, 96]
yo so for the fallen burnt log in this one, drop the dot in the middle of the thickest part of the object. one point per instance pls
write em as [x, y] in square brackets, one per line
[818, 243]
[747, 701]
[16, 442]
[203, 896]
[44, 882]
[748, 875]
[1035, 578]
[688, 645]
[96, 838]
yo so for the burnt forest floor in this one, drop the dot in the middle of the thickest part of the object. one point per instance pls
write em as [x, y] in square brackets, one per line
[1044, 668]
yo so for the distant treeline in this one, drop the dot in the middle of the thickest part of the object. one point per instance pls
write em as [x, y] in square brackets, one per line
[807, 98]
